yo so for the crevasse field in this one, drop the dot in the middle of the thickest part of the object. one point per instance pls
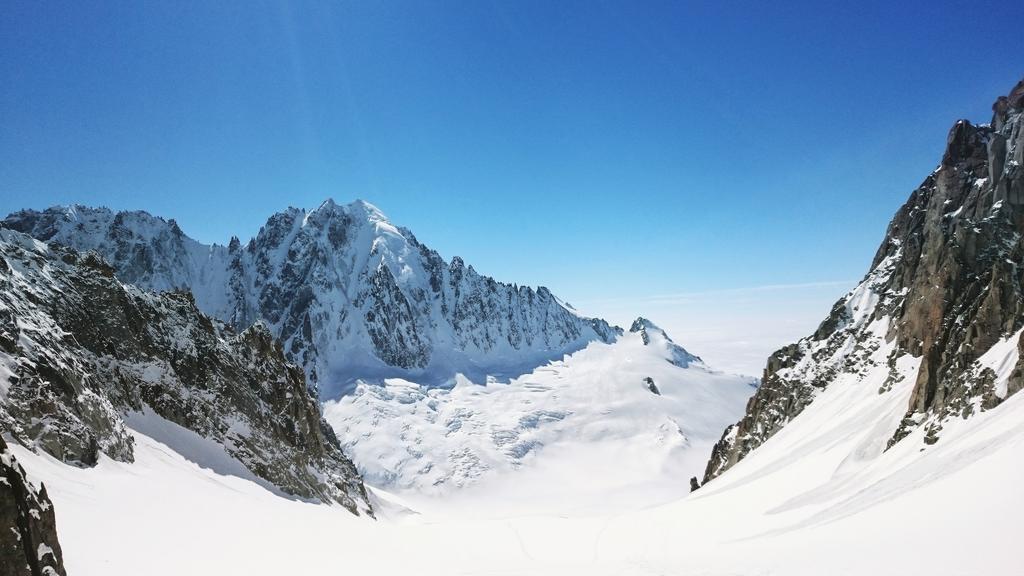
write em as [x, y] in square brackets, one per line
[602, 490]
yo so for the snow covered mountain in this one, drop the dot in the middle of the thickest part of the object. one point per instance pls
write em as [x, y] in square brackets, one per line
[890, 442]
[819, 496]
[642, 395]
[350, 294]
[652, 335]
[85, 360]
[937, 321]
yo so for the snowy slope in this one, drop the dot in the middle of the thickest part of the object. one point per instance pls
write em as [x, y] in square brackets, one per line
[818, 497]
[634, 395]
[350, 294]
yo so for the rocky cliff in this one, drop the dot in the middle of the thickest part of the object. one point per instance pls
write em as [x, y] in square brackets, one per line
[348, 293]
[28, 529]
[81, 353]
[944, 294]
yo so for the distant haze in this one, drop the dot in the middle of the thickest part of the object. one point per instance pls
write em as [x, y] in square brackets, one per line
[733, 330]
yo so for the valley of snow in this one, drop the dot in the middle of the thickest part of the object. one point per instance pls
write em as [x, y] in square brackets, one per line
[640, 412]
[820, 497]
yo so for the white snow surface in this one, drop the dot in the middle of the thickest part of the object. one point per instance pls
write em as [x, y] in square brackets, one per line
[1002, 357]
[594, 406]
[820, 497]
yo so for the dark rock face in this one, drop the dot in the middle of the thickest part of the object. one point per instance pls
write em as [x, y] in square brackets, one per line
[391, 323]
[348, 293]
[80, 352]
[28, 529]
[640, 325]
[945, 286]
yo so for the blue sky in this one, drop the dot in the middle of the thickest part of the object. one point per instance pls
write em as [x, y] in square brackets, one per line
[614, 151]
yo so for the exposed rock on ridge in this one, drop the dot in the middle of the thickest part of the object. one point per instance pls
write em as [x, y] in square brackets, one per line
[652, 335]
[28, 530]
[348, 293]
[80, 352]
[944, 289]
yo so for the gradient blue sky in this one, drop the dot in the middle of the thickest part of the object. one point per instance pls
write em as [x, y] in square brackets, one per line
[618, 152]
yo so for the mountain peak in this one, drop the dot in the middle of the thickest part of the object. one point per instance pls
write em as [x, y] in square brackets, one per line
[363, 210]
[641, 323]
[647, 329]
[652, 334]
[346, 291]
[357, 211]
[353, 208]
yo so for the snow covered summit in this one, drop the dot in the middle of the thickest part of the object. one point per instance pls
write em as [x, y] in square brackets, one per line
[349, 293]
[652, 335]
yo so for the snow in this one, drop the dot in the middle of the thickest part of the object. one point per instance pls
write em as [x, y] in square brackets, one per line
[593, 410]
[573, 466]
[819, 497]
[1002, 358]
[319, 267]
[586, 473]
[204, 452]
[181, 261]
[8, 368]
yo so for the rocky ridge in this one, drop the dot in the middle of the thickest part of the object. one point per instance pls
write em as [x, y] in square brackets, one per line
[944, 295]
[348, 293]
[81, 353]
[28, 529]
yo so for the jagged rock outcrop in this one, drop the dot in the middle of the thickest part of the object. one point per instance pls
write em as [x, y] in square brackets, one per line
[348, 293]
[694, 484]
[944, 294]
[81, 352]
[652, 335]
[28, 529]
